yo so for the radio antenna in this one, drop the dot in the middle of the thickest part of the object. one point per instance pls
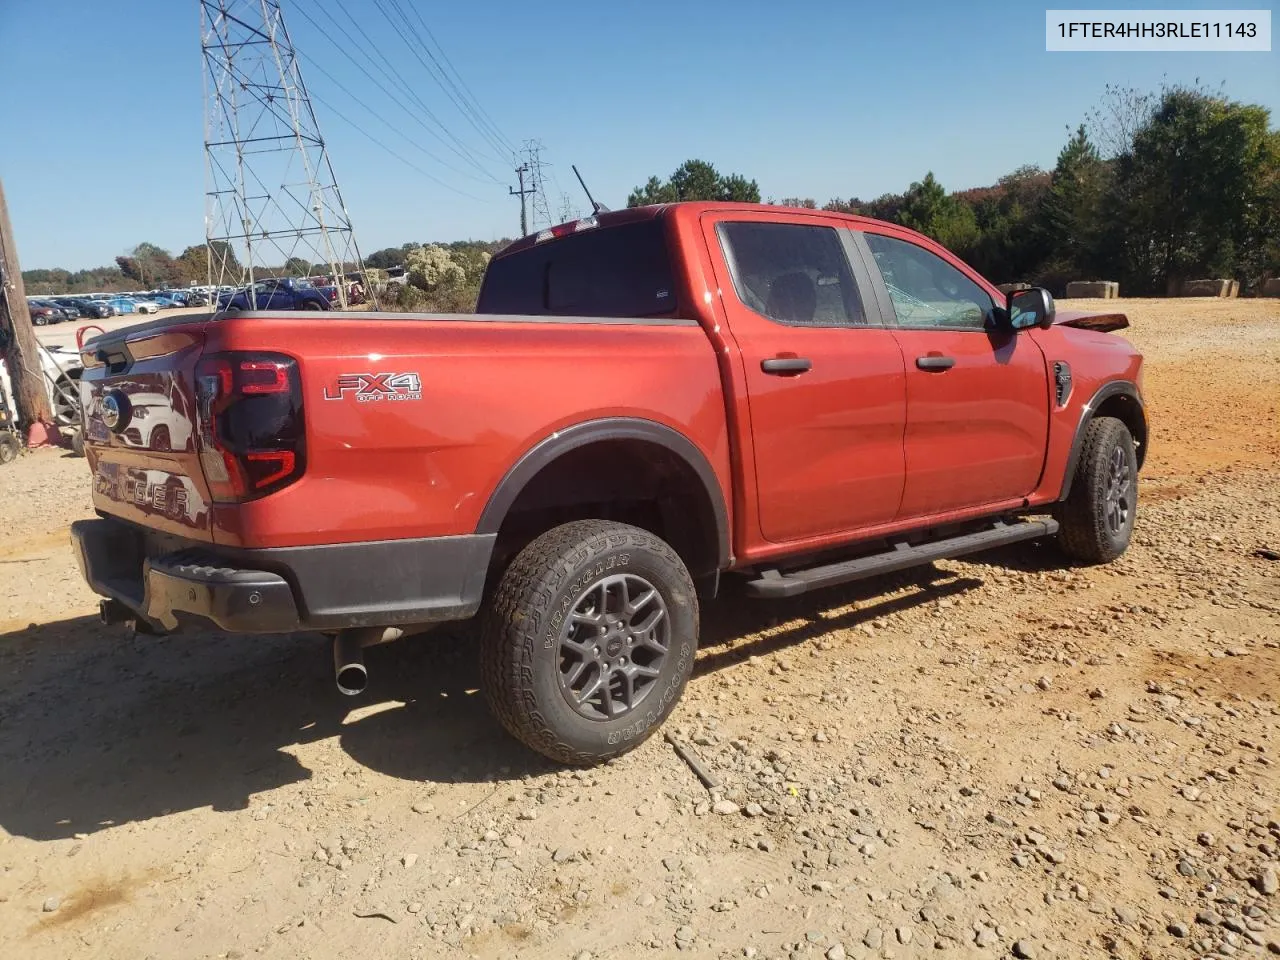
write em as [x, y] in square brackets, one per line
[595, 207]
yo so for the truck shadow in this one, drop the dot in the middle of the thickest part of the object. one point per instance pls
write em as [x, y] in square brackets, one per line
[1034, 557]
[99, 731]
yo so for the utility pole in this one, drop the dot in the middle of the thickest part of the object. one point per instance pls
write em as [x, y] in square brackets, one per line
[522, 193]
[17, 338]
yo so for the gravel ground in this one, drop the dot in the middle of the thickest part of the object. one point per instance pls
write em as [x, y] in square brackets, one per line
[1001, 757]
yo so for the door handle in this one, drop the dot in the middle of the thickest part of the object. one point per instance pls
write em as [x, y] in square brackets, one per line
[935, 363]
[786, 366]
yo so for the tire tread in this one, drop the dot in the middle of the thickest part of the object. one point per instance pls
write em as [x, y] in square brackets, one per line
[511, 621]
[1083, 533]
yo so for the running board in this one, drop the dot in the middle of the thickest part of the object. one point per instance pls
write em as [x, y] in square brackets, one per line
[774, 584]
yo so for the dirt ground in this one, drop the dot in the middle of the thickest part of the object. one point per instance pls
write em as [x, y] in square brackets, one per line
[1000, 757]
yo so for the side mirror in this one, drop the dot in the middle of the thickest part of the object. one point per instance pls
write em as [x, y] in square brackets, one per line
[1030, 308]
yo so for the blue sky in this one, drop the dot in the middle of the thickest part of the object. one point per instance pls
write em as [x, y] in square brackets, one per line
[815, 99]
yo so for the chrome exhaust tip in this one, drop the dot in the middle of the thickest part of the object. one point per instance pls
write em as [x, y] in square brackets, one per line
[349, 671]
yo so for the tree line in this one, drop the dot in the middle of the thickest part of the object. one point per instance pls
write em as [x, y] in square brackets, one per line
[145, 266]
[441, 277]
[1154, 189]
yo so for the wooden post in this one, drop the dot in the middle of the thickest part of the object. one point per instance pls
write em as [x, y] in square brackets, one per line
[17, 338]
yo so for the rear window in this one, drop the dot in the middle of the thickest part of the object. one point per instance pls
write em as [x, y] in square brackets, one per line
[621, 271]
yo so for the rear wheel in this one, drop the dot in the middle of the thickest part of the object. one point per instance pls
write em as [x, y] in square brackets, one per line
[66, 402]
[589, 640]
[1098, 515]
[311, 305]
[9, 448]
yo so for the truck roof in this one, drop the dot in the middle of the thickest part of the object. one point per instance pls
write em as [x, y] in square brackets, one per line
[613, 218]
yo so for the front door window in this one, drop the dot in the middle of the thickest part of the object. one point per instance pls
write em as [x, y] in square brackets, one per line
[926, 291]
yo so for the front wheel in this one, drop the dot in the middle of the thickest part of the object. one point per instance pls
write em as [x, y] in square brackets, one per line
[589, 640]
[1098, 515]
[9, 448]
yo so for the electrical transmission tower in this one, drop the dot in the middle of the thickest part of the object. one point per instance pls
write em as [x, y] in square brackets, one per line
[272, 201]
[534, 184]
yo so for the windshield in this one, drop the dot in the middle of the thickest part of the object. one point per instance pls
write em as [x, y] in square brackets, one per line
[621, 271]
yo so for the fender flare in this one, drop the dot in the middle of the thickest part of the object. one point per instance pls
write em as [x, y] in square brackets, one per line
[1113, 388]
[547, 450]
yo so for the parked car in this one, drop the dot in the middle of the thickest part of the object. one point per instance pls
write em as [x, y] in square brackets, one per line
[143, 305]
[121, 304]
[44, 313]
[198, 298]
[94, 309]
[280, 293]
[796, 399]
[59, 314]
[61, 369]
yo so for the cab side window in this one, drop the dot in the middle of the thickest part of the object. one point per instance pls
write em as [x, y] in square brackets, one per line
[926, 291]
[792, 273]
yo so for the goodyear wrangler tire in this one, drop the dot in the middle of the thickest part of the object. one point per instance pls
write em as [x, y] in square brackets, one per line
[589, 640]
[1098, 515]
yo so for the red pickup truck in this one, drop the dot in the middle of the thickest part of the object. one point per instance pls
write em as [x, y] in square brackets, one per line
[646, 400]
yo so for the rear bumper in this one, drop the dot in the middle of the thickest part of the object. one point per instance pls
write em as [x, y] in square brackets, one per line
[166, 580]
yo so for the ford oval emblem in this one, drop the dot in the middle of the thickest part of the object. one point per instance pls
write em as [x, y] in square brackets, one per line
[115, 411]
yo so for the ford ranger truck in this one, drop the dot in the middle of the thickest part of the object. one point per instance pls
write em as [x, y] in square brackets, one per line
[646, 402]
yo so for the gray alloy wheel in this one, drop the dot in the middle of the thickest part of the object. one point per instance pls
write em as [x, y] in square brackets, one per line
[612, 646]
[1119, 495]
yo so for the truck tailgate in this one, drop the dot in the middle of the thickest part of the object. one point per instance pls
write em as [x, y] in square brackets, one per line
[139, 407]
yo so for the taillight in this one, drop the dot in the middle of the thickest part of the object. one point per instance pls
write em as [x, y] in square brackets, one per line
[265, 376]
[251, 423]
[565, 229]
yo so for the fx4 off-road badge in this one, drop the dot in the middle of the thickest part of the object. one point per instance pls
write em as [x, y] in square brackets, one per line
[375, 387]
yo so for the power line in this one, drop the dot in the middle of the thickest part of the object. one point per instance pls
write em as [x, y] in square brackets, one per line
[441, 132]
[388, 70]
[377, 116]
[446, 84]
[378, 143]
[457, 146]
[435, 75]
[489, 120]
